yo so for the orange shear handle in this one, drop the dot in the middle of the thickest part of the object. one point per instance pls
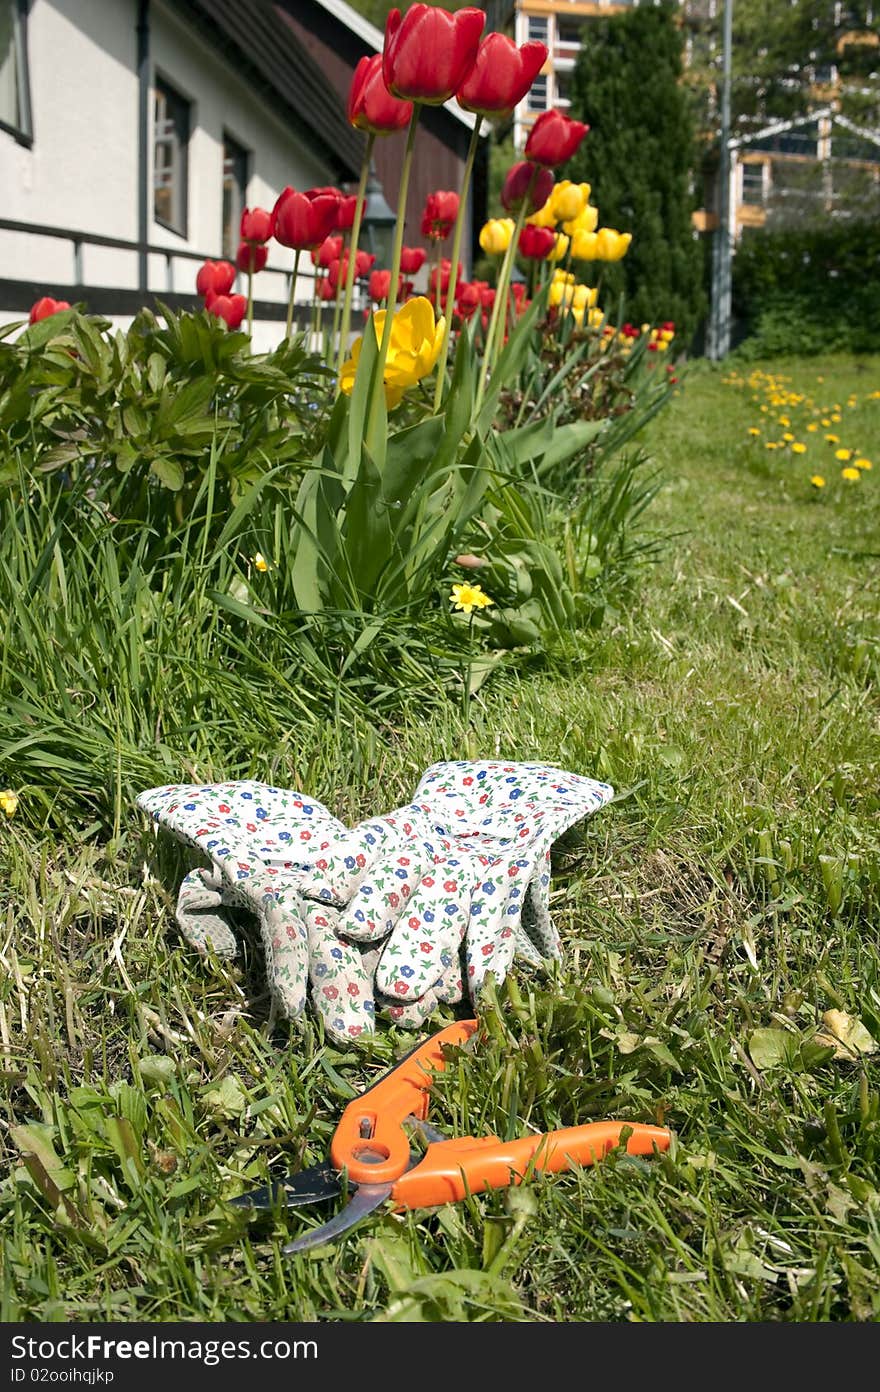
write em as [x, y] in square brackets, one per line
[453, 1169]
[370, 1142]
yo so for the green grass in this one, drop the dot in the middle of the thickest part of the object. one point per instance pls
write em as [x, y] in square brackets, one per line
[731, 890]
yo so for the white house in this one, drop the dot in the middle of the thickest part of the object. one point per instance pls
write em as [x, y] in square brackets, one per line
[133, 132]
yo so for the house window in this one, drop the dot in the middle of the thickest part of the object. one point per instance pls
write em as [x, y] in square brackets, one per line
[564, 85]
[537, 97]
[235, 175]
[568, 31]
[170, 172]
[538, 28]
[753, 184]
[15, 103]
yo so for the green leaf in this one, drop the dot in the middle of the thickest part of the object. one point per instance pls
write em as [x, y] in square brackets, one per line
[169, 472]
[772, 1048]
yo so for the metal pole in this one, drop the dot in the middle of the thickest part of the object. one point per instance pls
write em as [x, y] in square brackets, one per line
[722, 250]
[143, 66]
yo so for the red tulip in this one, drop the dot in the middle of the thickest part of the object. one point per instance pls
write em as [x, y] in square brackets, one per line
[429, 52]
[445, 273]
[526, 181]
[45, 307]
[441, 210]
[329, 250]
[325, 288]
[379, 285]
[232, 308]
[371, 107]
[412, 259]
[536, 243]
[468, 300]
[303, 220]
[215, 278]
[345, 217]
[256, 225]
[251, 257]
[501, 75]
[554, 138]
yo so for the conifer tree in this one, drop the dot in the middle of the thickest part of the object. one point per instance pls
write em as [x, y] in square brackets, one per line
[640, 157]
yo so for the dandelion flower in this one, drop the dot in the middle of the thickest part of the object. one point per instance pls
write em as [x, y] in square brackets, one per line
[260, 562]
[771, 444]
[833, 439]
[862, 464]
[812, 426]
[783, 420]
[843, 455]
[8, 802]
[798, 447]
[825, 420]
[817, 481]
[850, 474]
[753, 430]
[468, 597]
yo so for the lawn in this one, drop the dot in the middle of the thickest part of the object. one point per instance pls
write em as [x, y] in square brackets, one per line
[712, 915]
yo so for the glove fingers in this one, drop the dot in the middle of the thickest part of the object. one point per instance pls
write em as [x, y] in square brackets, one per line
[380, 900]
[538, 935]
[341, 976]
[424, 943]
[286, 944]
[200, 901]
[495, 913]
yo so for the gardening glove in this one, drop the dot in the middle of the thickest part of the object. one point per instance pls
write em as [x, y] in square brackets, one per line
[286, 859]
[490, 827]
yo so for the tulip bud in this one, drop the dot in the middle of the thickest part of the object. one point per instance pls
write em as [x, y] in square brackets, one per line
[256, 225]
[501, 75]
[536, 243]
[554, 138]
[371, 107]
[526, 183]
[231, 308]
[215, 278]
[46, 307]
[251, 257]
[495, 235]
[412, 259]
[429, 53]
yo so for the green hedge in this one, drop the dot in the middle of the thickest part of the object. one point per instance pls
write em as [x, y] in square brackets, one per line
[809, 291]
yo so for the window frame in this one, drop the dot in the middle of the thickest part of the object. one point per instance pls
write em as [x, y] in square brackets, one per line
[162, 86]
[23, 133]
[242, 153]
[530, 104]
[538, 38]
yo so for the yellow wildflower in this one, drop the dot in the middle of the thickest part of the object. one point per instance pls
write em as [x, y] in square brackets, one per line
[416, 340]
[863, 463]
[260, 562]
[753, 430]
[833, 439]
[8, 802]
[843, 455]
[783, 420]
[788, 437]
[817, 481]
[468, 597]
[850, 474]
[798, 447]
[812, 426]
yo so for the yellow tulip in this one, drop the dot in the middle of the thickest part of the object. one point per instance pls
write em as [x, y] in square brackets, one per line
[544, 217]
[586, 221]
[611, 245]
[583, 246]
[567, 200]
[495, 235]
[560, 247]
[416, 341]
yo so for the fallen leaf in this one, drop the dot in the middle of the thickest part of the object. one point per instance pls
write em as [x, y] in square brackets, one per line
[846, 1035]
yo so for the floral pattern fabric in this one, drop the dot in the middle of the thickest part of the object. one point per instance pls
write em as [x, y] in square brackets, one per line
[397, 914]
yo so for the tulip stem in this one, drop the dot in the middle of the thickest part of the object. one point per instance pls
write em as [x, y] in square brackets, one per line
[352, 254]
[453, 269]
[406, 166]
[293, 280]
[499, 305]
[250, 311]
[337, 309]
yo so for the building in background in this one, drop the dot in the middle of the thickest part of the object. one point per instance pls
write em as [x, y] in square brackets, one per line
[133, 132]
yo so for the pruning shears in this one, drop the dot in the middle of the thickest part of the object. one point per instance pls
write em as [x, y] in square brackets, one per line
[371, 1158]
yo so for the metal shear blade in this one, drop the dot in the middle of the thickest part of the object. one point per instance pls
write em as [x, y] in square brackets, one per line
[313, 1185]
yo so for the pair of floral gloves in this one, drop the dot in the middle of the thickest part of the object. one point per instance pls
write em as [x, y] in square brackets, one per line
[398, 913]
